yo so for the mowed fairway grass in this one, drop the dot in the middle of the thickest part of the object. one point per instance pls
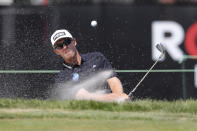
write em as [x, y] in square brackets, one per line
[139, 115]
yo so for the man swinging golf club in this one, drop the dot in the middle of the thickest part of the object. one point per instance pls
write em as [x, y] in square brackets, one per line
[78, 66]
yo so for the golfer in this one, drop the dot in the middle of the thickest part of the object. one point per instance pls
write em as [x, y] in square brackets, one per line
[77, 67]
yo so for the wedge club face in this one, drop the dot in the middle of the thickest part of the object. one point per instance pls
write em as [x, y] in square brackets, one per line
[161, 48]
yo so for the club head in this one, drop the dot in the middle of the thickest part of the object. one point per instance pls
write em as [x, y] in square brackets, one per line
[161, 48]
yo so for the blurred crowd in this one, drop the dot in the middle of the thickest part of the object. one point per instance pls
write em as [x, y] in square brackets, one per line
[132, 2]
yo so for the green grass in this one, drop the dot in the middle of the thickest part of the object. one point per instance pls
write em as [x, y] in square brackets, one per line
[147, 105]
[73, 115]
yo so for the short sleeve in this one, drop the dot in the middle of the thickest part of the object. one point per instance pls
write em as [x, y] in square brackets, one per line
[107, 65]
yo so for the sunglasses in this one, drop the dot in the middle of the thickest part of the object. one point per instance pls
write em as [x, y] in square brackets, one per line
[66, 42]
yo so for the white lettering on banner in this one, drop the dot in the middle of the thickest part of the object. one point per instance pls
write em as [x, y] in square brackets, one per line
[195, 76]
[169, 33]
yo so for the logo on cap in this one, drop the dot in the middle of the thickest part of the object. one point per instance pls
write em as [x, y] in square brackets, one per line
[58, 35]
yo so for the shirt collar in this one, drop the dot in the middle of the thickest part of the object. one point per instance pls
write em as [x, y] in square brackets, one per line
[71, 66]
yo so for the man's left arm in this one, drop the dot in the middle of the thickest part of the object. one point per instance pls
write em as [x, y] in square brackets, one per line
[117, 88]
[115, 85]
[116, 95]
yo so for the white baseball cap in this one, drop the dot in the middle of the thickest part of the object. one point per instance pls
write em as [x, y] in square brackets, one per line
[59, 34]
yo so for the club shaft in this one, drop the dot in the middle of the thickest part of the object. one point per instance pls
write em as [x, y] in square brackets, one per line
[145, 75]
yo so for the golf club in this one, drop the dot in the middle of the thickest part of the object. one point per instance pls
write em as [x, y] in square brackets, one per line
[161, 48]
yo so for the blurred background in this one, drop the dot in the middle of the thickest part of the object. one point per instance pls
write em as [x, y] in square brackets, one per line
[126, 32]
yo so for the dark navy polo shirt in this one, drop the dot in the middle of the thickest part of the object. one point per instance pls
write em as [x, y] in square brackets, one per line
[91, 63]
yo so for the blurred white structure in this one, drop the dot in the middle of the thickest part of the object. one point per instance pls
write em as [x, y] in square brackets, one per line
[6, 2]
